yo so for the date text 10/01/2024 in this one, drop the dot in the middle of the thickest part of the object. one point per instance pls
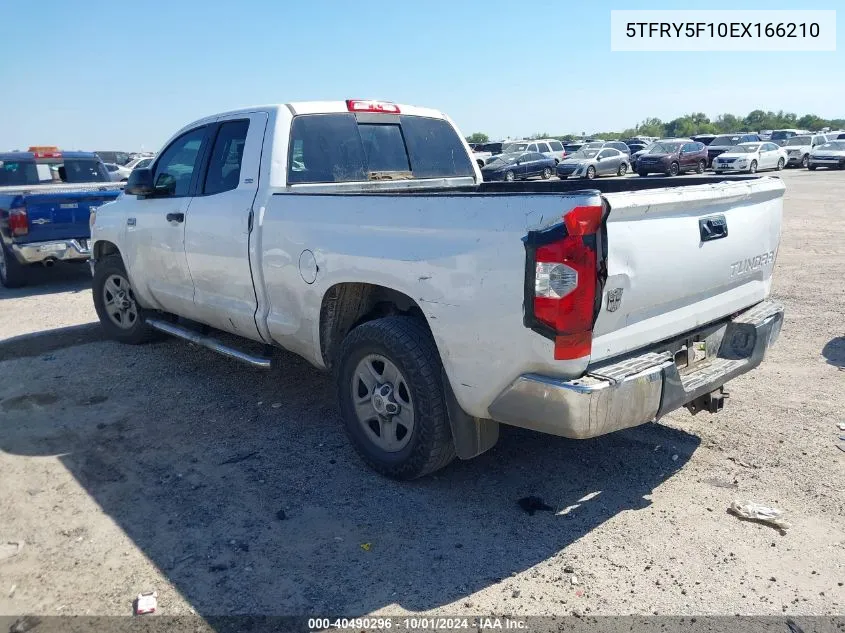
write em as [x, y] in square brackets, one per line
[723, 29]
[417, 623]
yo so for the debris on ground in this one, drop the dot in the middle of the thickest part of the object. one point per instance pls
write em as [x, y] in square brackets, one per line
[281, 516]
[573, 580]
[276, 405]
[366, 546]
[146, 603]
[841, 447]
[24, 624]
[569, 569]
[751, 511]
[534, 504]
[841, 426]
[12, 591]
[238, 458]
[10, 549]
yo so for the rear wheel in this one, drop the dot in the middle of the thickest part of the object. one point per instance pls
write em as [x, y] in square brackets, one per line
[674, 169]
[753, 168]
[781, 164]
[509, 176]
[623, 169]
[392, 399]
[643, 173]
[12, 272]
[699, 169]
[812, 167]
[717, 172]
[805, 160]
[591, 172]
[547, 173]
[119, 313]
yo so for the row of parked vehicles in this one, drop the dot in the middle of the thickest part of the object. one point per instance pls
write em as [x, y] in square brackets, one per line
[743, 152]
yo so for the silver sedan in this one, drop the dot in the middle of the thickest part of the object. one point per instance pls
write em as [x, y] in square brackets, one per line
[589, 163]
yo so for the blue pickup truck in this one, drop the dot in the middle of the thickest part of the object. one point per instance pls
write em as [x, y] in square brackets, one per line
[46, 198]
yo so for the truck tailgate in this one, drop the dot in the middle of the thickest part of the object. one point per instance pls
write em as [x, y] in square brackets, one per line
[62, 215]
[670, 269]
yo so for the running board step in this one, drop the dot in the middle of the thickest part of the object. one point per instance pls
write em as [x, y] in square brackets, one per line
[208, 342]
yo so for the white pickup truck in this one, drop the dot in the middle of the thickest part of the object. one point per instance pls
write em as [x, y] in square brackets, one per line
[360, 235]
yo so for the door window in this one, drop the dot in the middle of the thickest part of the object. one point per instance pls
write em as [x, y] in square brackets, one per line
[543, 147]
[607, 153]
[175, 168]
[556, 146]
[224, 168]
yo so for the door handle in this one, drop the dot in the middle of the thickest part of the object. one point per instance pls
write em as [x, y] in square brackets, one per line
[175, 217]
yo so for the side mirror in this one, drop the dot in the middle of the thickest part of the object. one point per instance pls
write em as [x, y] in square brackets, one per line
[140, 183]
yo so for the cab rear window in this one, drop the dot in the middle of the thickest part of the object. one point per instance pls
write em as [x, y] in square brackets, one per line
[337, 148]
[72, 170]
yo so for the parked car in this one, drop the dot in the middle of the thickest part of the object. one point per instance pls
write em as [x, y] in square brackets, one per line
[751, 157]
[45, 202]
[673, 157]
[117, 173]
[703, 138]
[617, 145]
[549, 148]
[798, 148]
[782, 136]
[571, 148]
[636, 147]
[119, 158]
[439, 316]
[513, 166]
[635, 156]
[590, 163]
[483, 152]
[765, 135]
[830, 155]
[725, 142]
[139, 163]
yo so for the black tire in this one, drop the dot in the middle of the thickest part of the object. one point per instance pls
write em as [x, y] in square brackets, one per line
[781, 164]
[406, 343]
[699, 168]
[137, 331]
[547, 173]
[623, 169]
[752, 169]
[12, 272]
[590, 173]
[509, 176]
[812, 167]
[674, 169]
[717, 172]
[805, 160]
[643, 173]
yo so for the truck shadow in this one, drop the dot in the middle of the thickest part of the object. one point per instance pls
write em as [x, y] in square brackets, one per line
[834, 351]
[240, 486]
[62, 277]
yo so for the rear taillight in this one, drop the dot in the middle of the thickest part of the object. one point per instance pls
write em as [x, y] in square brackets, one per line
[562, 281]
[18, 222]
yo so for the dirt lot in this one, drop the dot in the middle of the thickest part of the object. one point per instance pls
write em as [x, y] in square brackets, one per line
[232, 491]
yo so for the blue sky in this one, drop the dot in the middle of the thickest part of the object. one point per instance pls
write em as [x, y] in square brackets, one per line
[124, 75]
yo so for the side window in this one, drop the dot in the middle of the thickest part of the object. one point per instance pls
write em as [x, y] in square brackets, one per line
[606, 153]
[556, 146]
[175, 167]
[531, 148]
[543, 147]
[224, 167]
[325, 148]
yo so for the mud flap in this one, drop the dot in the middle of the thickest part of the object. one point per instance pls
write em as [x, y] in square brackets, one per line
[472, 436]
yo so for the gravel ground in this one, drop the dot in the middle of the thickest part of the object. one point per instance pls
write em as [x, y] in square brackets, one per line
[232, 491]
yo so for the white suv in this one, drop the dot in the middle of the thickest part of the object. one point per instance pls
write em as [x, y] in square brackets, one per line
[798, 148]
[550, 148]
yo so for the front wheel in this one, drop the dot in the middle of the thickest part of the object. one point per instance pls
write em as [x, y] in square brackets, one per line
[623, 169]
[392, 399]
[120, 315]
[805, 160]
[643, 173]
[509, 176]
[674, 169]
[781, 164]
[752, 169]
[547, 173]
[699, 169]
[12, 272]
[812, 167]
[591, 172]
[717, 172]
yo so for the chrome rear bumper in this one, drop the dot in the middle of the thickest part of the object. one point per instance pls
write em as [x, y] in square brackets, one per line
[53, 250]
[639, 389]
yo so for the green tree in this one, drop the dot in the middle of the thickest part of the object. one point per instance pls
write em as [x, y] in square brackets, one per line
[478, 137]
[811, 122]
